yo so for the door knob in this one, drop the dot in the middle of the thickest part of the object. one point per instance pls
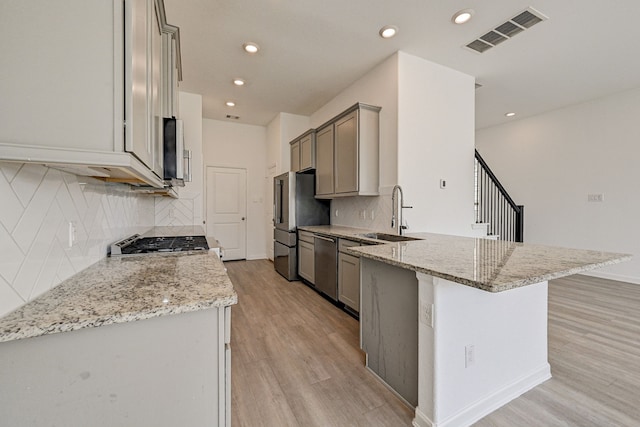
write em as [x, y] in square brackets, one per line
[243, 218]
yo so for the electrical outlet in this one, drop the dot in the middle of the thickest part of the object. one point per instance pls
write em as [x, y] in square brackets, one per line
[426, 314]
[469, 355]
[595, 197]
[373, 214]
[363, 214]
[336, 212]
[72, 233]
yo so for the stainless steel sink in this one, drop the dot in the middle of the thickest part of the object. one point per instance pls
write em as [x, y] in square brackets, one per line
[388, 237]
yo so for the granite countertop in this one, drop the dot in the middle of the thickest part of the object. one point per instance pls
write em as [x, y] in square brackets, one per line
[124, 289]
[490, 265]
[351, 233]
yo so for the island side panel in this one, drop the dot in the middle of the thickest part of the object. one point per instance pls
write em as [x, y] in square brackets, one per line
[483, 350]
[163, 371]
[389, 325]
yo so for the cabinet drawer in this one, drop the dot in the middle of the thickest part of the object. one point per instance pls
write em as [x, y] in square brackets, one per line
[305, 236]
[344, 243]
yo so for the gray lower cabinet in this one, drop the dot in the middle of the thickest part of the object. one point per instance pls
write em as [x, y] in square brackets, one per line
[348, 276]
[389, 325]
[306, 256]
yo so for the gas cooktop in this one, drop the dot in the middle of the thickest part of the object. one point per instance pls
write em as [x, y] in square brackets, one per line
[143, 245]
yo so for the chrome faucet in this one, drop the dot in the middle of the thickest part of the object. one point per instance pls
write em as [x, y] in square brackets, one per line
[395, 208]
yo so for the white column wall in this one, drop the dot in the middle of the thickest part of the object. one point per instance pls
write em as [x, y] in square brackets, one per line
[436, 108]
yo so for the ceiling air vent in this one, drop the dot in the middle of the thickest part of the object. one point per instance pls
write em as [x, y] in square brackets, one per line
[522, 21]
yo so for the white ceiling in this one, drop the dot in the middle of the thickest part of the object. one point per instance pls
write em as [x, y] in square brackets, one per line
[312, 50]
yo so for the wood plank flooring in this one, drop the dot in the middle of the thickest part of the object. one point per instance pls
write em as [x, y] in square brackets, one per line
[296, 359]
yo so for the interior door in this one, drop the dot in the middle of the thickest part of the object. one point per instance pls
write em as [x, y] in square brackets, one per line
[227, 210]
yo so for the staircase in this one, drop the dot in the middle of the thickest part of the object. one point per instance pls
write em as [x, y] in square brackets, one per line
[494, 206]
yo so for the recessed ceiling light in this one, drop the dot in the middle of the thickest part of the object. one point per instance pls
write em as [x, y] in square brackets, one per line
[510, 114]
[462, 16]
[231, 104]
[388, 31]
[250, 47]
[238, 82]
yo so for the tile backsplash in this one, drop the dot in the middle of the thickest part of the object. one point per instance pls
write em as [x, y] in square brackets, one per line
[373, 213]
[37, 204]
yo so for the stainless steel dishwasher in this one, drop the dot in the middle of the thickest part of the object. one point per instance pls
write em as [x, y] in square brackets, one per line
[326, 265]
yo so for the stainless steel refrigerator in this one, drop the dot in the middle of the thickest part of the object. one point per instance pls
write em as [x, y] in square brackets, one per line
[294, 205]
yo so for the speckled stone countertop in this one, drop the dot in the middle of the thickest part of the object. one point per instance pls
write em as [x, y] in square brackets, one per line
[351, 233]
[124, 289]
[490, 265]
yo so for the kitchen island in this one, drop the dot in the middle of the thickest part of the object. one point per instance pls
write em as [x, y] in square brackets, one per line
[458, 326]
[135, 340]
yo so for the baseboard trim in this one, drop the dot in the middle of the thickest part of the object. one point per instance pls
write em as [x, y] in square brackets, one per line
[255, 257]
[484, 407]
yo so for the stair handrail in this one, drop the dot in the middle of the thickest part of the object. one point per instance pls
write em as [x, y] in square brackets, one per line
[496, 181]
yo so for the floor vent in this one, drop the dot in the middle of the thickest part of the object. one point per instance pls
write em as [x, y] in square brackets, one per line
[503, 32]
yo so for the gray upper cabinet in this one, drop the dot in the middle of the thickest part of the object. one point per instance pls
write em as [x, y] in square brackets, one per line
[303, 152]
[346, 154]
[295, 156]
[324, 161]
[347, 158]
[307, 152]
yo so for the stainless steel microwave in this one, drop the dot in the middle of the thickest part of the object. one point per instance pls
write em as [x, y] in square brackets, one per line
[177, 160]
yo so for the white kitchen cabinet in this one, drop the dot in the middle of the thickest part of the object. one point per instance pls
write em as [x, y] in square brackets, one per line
[354, 166]
[86, 97]
[306, 256]
[348, 276]
[165, 371]
[303, 156]
[171, 68]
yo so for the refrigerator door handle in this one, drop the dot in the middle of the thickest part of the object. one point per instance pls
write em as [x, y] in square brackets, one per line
[277, 205]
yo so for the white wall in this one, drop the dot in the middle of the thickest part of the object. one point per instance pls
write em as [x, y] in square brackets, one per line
[188, 209]
[378, 87]
[37, 205]
[551, 162]
[436, 121]
[236, 145]
[426, 133]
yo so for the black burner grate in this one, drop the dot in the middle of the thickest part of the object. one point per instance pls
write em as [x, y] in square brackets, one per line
[166, 244]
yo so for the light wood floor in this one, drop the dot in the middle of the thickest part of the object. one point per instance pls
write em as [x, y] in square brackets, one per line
[296, 359]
